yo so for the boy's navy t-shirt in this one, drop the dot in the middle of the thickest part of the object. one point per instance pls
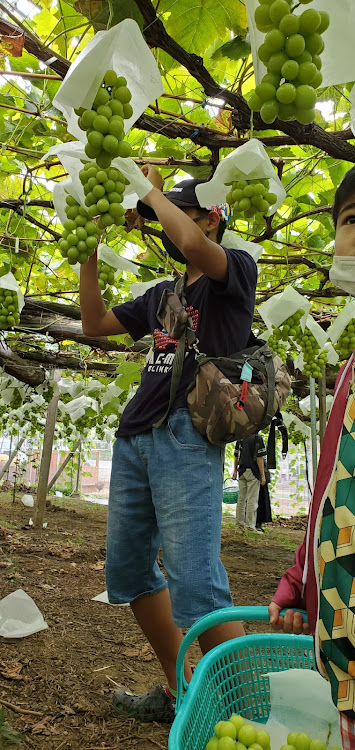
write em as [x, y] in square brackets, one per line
[222, 315]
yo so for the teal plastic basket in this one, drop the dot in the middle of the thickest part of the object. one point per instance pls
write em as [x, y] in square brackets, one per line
[232, 676]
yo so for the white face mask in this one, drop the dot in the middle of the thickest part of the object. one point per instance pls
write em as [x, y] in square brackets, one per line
[342, 273]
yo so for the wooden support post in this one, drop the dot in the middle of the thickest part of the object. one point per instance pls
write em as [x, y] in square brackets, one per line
[11, 458]
[46, 455]
[64, 463]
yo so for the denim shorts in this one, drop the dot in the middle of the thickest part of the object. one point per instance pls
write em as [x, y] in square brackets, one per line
[166, 490]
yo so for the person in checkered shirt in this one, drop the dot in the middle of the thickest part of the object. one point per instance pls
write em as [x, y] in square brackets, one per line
[322, 579]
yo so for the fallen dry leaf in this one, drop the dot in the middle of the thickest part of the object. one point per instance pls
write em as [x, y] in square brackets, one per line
[11, 671]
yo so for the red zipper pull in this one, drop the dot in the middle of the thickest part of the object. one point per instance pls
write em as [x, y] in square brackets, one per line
[243, 395]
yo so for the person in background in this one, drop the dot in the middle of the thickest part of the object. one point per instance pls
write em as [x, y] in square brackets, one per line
[264, 513]
[249, 466]
[322, 579]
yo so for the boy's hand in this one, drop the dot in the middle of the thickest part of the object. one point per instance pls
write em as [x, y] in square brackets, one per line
[153, 176]
[262, 481]
[292, 622]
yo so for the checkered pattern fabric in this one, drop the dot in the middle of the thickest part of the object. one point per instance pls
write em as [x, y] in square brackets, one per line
[336, 556]
[347, 728]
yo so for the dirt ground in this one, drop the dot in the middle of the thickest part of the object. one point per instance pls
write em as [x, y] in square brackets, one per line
[56, 685]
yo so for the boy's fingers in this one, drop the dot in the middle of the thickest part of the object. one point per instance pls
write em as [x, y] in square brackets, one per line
[288, 621]
[274, 610]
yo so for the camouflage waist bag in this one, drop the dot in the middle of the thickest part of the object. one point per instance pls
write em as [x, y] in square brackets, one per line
[230, 398]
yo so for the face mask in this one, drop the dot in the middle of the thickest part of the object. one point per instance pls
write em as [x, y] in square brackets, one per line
[171, 249]
[342, 273]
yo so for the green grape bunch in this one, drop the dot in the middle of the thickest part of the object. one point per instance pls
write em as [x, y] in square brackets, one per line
[295, 436]
[48, 394]
[9, 312]
[291, 53]
[315, 360]
[106, 274]
[289, 329]
[250, 198]
[103, 190]
[80, 235]
[346, 342]
[84, 423]
[16, 400]
[104, 122]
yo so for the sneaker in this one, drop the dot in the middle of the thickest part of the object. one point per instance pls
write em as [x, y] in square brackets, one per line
[156, 705]
[260, 529]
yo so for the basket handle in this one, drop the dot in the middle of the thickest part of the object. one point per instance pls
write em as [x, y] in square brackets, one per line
[228, 614]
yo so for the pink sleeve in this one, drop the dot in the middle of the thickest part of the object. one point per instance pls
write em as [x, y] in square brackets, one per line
[289, 591]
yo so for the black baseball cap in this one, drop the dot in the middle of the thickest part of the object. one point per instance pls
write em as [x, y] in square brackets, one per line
[182, 195]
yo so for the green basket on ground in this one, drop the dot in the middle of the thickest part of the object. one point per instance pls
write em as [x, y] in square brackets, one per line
[215, 693]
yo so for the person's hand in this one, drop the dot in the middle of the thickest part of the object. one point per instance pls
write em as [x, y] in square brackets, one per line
[235, 474]
[262, 481]
[153, 176]
[292, 622]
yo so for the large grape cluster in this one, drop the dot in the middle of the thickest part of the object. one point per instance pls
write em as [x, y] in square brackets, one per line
[295, 436]
[48, 393]
[250, 198]
[103, 190]
[291, 53]
[9, 312]
[346, 342]
[80, 235]
[314, 359]
[104, 122]
[106, 274]
[16, 400]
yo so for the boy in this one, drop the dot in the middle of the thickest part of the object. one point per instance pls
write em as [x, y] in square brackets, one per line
[322, 579]
[166, 482]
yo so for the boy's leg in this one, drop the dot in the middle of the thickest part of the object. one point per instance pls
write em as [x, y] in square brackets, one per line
[132, 573]
[252, 499]
[154, 616]
[187, 489]
[241, 504]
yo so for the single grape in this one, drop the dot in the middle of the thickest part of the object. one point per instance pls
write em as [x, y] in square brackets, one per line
[269, 111]
[290, 70]
[295, 45]
[255, 102]
[110, 78]
[127, 111]
[314, 44]
[274, 40]
[286, 93]
[310, 21]
[271, 78]
[101, 124]
[278, 9]
[264, 54]
[102, 97]
[289, 24]
[110, 144]
[276, 62]
[324, 22]
[124, 149]
[123, 94]
[262, 18]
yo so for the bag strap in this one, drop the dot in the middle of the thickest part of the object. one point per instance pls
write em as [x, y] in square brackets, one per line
[187, 335]
[270, 378]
